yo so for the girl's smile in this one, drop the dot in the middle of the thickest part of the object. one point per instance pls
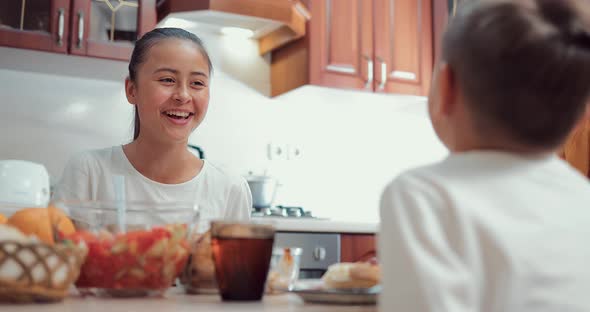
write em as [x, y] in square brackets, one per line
[178, 117]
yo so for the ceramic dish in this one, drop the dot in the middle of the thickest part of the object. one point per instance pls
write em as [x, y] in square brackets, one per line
[313, 291]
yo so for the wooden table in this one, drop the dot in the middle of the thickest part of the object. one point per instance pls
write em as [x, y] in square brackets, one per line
[176, 301]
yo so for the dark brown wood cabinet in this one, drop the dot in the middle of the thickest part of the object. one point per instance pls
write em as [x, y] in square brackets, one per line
[35, 24]
[440, 19]
[341, 38]
[357, 247]
[96, 28]
[375, 45]
[109, 29]
[403, 46]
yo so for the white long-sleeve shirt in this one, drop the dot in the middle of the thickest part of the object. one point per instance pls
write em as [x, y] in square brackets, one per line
[219, 194]
[486, 231]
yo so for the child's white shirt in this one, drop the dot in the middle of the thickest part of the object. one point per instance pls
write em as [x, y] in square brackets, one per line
[219, 194]
[486, 231]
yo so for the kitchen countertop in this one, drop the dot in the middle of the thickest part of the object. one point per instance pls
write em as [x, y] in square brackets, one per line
[176, 301]
[321, 225]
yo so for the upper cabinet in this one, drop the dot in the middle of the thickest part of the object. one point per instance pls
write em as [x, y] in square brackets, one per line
[97, 28]
[382, 46]
[378, 45]
[403, 46]
[341, 44]
[109, 28]
[35, 24]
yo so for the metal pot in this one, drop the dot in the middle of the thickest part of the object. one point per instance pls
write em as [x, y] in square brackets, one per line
[264, 189]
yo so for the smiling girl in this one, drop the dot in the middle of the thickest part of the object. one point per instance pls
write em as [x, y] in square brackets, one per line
[168, 83]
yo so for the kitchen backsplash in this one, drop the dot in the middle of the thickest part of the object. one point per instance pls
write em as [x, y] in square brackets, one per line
[351, 143]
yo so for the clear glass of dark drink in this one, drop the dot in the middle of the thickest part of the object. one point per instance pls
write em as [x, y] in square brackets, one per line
[241, 252]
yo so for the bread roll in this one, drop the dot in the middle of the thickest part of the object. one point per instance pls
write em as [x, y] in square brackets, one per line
[352, 275]
[10, 233]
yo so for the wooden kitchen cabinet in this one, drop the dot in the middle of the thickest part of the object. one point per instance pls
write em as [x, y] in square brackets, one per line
[377, 45]
[403, 46]
[441, 11]
[357, 247]
[35, 24]
[96, 28]
[341, 38]
[109, 29]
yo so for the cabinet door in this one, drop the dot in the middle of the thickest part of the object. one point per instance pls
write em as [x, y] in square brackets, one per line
[108, 29]
[357, 247]
[35, 24]
[341, 43]
[440, 12]
[403, 46]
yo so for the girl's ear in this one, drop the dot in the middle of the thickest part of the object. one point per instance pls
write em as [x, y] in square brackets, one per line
[130, 91]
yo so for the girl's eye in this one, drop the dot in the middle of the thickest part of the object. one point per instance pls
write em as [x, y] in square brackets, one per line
[198, 83]
[167, 80]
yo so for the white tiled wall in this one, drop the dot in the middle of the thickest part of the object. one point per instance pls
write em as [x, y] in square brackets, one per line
[352, 142]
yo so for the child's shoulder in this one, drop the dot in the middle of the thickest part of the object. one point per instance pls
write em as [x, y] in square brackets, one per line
[424, 178]
[222, 174]
[94, 155]
[427, 172]
[455, 171]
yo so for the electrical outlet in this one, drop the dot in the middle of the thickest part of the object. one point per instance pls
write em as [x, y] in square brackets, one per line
[283, 151]
[294, 152]
[276, 151]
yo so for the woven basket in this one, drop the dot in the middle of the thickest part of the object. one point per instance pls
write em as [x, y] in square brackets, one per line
[37, 272]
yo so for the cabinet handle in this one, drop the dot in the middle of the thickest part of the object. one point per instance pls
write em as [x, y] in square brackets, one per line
[80, 28]
[60, 26]
[369, 71]
[383, 74]
[454, 8]
[319, 253]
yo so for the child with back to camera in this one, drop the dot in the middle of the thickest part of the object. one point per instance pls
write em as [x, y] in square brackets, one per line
[502, 223]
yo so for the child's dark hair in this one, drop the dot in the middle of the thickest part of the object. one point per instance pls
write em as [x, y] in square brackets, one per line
[523, 65]
[142, 47]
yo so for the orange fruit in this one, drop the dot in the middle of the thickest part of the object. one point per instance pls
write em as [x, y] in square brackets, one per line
[41, 222]
[60, 221]
[33, 221]
[3, 219]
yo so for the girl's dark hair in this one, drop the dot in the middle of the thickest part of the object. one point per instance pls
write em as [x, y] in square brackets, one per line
[141, 50]
[523, 66]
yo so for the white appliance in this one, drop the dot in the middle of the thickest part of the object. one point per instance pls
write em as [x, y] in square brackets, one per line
[23, 184]
[273, 23]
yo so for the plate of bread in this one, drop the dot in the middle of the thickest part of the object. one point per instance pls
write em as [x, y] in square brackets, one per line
[343, 283]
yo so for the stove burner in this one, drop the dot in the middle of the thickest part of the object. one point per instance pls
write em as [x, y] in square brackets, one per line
[282, 211]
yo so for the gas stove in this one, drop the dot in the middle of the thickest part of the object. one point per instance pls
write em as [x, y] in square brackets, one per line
[282, 212]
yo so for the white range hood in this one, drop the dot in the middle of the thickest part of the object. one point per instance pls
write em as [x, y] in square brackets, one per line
[273, 23]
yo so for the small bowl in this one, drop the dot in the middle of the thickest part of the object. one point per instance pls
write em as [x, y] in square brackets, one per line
[134, 248]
